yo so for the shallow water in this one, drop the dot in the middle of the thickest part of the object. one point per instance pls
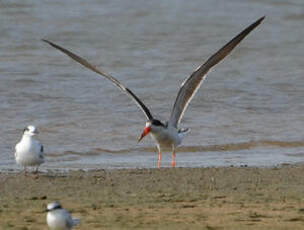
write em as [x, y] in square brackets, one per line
[253, 98]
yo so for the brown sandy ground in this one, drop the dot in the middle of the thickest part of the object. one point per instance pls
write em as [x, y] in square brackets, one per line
[180, 198]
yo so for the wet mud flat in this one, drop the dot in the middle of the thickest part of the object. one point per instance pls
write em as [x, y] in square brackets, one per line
[180, 198]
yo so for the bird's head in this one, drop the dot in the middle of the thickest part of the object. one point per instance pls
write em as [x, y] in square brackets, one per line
[53, 206]
[152, 125]
[30, 130]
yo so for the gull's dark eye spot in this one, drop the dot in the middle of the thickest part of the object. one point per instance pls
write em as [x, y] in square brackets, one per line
[25, 129]
[57, 206]
[157, 123]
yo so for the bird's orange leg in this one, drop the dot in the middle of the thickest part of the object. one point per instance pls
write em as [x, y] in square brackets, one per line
[159, 159]
[173, 159]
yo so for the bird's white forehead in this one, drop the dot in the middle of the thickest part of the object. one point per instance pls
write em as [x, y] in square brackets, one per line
[51, 206]
[31, 127]
[148, 123]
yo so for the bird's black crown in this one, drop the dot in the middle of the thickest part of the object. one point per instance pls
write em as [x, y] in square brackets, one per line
[157, 122]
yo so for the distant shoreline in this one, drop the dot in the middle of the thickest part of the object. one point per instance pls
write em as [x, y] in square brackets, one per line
[54, 170]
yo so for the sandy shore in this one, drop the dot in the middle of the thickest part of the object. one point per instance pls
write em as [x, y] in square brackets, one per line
[181, 198]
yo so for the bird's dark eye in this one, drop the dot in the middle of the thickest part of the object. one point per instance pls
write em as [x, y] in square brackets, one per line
[25, 129]
[57, 207]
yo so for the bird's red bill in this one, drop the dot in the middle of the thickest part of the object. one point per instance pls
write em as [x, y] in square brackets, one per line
[145, 133]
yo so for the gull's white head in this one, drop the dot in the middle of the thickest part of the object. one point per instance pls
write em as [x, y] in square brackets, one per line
[30, 131]
[53, 206]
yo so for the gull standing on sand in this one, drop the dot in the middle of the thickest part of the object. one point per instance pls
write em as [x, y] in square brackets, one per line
[169, 135]
[29, 151]
[58, 218]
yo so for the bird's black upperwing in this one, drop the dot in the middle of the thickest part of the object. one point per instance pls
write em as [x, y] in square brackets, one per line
[190, 86]
[88, 65]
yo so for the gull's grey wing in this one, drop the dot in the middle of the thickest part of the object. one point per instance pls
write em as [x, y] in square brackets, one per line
[108, 76]
[75, 221]
[69, 223]
[41, 154]
[192, 84]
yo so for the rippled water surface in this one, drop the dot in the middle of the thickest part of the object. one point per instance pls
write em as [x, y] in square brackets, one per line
[250, 110]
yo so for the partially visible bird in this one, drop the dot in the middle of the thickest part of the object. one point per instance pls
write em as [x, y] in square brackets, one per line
[29, 151]
[168, 134]
[58, 218]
